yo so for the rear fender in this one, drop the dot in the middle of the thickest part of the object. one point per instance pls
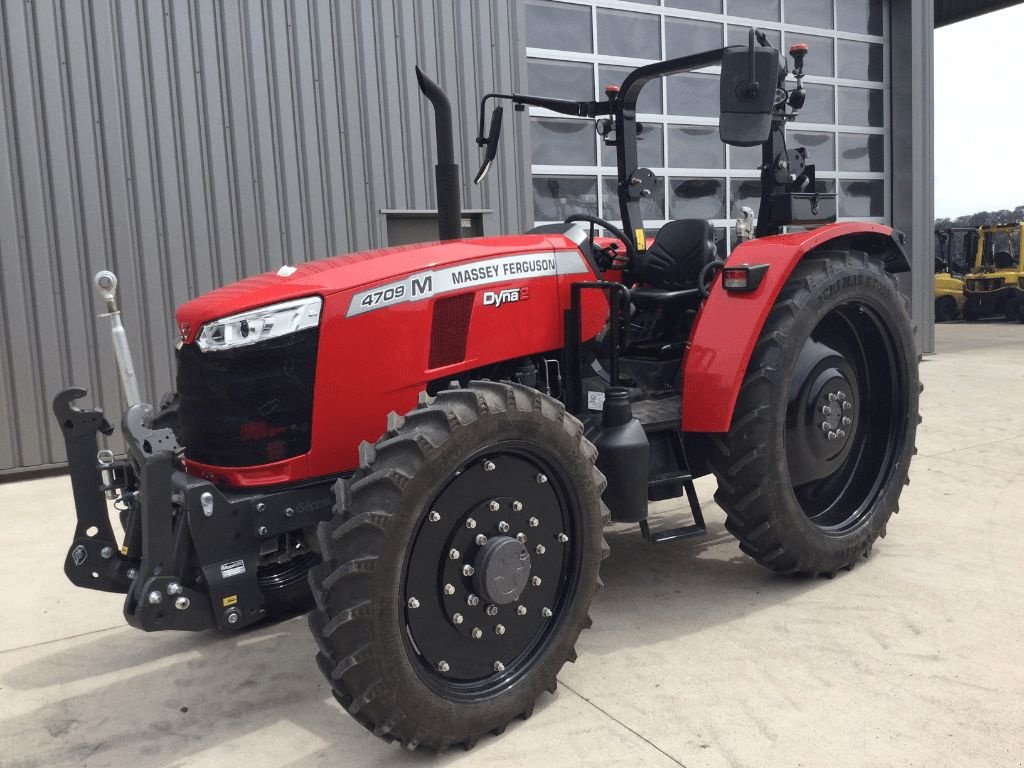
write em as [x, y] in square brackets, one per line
[729, 324]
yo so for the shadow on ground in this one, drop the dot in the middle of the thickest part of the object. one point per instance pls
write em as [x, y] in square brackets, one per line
[120, 697]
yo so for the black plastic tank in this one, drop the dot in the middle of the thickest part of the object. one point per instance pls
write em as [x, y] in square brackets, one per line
[623, 457]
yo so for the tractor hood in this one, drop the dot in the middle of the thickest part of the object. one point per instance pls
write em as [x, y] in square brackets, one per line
[350, 271]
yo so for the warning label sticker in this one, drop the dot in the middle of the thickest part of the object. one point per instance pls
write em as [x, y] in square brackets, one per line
[233, 568]
[425, 285]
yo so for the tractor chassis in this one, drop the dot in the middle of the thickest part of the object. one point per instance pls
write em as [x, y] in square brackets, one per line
[191, 551]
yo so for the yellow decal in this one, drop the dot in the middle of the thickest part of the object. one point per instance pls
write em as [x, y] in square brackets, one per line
[124, 550]
[641, 239]
[230, 600]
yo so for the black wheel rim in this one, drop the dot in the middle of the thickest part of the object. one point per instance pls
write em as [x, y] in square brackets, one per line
[467, 650]
[846, 417]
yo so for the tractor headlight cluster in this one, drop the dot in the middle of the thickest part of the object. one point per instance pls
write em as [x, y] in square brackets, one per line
[260, 324]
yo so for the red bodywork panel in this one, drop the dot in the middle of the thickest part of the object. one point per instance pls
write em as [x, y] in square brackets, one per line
[374, 347]
[729, 324]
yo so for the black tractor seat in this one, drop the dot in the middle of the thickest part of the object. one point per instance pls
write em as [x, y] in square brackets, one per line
[669, 270]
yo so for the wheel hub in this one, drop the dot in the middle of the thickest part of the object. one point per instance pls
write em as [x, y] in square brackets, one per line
[837, 412]
[821, 418]
[502, 570]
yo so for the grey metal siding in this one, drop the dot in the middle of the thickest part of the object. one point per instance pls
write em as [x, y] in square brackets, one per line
[188, 144]
[913, 138]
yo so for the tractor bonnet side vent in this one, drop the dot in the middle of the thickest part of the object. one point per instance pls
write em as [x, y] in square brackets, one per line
[450, 329]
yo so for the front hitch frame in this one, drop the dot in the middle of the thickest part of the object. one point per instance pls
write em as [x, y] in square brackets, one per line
[192, 551]
[94, 560]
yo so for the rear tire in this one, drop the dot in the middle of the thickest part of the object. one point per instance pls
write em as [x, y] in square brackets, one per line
[824, 426]
[397, 557]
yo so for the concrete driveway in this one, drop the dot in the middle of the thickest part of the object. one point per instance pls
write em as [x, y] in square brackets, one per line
[698, 656]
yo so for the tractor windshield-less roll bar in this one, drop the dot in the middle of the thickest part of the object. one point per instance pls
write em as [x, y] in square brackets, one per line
[634, 183]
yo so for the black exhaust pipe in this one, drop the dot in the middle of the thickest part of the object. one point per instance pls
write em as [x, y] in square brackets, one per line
[446, 172]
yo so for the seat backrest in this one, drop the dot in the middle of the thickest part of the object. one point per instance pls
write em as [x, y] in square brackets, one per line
[678, 254]
[1003, 260]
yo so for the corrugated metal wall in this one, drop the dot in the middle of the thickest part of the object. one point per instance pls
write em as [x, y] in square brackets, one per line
[188, 144]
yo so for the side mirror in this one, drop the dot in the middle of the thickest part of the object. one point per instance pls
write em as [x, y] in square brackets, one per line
[491, 142]
[750, 78]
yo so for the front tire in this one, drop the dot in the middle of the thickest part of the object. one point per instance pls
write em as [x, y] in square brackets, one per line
[945, 309]
[460, 565]
[824, 426]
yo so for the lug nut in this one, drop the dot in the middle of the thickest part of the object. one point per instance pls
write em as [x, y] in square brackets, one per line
[477, 633]
[467, 570]
[542, 478]
[832, 435]
[494, 506]
[826, 410]
[500, 629]
[832, 397]
[434, 516]
[413, 602]
[449, 589]
[499, 667]
[840, 395]
[540, 549]
[535, 581]
[847, 421]
[488, 466]
[521, 610]
[517, 506]
[480, 539]
[840, 433]
[563, 538]
[492, 610]
[182, 603]
[545, 612]
[453, 554]
[825, 426]
[457, 618]
[472, 600]
[174, 588]
[442, 666]
[521, 538]
[503, 526]
[470, 523]
[534, 522]
[155, 598]
[847, 405]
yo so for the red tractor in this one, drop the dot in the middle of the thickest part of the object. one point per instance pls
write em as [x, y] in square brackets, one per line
[424, 443]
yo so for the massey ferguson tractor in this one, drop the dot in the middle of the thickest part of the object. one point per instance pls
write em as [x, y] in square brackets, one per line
[424, 443]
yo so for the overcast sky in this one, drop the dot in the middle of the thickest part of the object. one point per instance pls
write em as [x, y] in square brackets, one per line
[979, 114]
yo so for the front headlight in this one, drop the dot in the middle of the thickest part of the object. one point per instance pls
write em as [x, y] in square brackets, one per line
[261, 324]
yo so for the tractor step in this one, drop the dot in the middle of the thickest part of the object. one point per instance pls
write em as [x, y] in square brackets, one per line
[658, 415]
[696, 528]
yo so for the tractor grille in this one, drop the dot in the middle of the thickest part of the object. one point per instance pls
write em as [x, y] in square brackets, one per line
[248, 406]
[449, 329]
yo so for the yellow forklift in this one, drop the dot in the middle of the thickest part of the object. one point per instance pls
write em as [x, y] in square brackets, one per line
[955, 251]
[996, 284]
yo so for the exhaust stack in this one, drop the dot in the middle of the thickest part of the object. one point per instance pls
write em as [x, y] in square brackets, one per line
[446, 172]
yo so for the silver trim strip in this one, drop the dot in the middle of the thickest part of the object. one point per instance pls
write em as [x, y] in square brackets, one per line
[467, 276]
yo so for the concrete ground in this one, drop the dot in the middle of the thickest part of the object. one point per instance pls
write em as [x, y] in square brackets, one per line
[698, 656]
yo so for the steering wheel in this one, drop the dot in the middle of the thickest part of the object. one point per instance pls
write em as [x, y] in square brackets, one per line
[599, 222]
